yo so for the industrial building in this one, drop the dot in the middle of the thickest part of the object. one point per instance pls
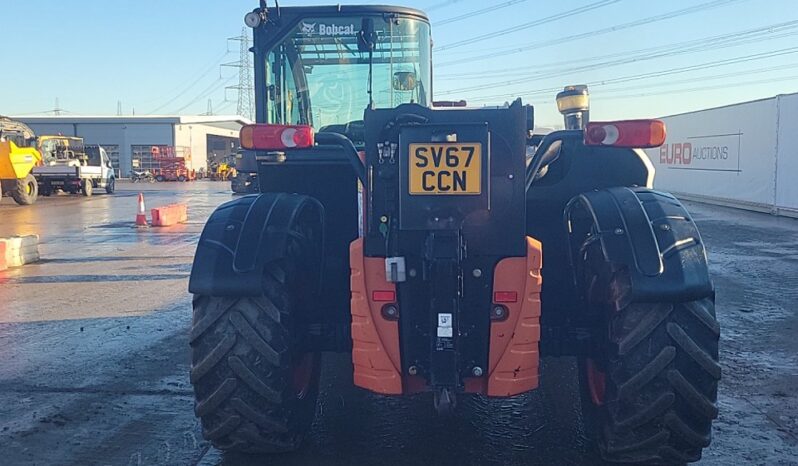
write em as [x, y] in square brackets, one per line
[129, 140]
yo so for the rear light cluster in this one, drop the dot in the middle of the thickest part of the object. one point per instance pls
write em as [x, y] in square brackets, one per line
[384, 296]
[276, 137]
[630, 133]
[505, 297]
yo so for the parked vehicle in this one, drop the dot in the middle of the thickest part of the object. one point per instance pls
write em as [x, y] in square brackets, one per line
[145, 176]
[171, 166]
[73, 167]
[18, 156]
[444, 221]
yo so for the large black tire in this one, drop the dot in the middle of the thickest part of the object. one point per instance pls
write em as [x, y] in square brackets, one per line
[242, 370]
[110, 187]
[25, 190]
[255, 387]
[649, 388]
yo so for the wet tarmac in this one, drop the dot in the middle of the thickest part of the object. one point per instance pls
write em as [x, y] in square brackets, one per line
[94, 354]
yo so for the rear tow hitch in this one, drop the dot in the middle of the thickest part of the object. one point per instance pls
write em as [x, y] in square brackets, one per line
[444, 401]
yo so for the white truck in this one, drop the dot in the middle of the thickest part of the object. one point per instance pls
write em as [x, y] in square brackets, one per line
[77, 172]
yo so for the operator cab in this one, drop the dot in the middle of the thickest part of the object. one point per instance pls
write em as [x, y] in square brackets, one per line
[322, 66]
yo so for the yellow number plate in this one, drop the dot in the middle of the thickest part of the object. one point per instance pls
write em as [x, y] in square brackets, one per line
[448, 168]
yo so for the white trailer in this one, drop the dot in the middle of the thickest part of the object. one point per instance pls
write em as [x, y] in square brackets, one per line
[743, 155]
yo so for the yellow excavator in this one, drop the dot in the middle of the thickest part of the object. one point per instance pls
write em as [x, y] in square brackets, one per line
[18, 156]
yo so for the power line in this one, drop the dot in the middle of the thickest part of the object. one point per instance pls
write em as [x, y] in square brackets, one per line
[603, 93]
[439, 5]
[214, 86]
[732, 39]
[225, 105]
[199, 78]
[704, 88]
[656, 74]
[42, 112]
[476, 13]
[542, 75]
[531, 24]
[597, 32]
[706, 78]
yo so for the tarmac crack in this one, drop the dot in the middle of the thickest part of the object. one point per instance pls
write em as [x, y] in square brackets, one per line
[767, 416]
[204, 451]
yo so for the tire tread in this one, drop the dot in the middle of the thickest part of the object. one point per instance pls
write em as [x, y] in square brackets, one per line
[241, 370]
[660, 359]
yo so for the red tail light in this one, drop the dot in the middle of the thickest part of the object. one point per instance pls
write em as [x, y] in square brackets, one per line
[505, 297]
[276, 137]
[629, 133]
[383, 296]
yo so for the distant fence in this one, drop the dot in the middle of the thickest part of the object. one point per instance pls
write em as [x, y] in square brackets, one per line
[743, 155]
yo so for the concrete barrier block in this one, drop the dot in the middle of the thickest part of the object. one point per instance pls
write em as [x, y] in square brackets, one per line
[20, 250]
[167, 215]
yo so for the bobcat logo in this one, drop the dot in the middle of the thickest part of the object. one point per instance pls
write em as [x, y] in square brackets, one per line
[308, 28]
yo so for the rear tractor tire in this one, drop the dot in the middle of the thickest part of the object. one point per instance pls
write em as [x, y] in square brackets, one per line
[254, 384]
[649, 388]
[25, 190]
[252, 394]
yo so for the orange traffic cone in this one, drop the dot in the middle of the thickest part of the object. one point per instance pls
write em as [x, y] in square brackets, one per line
[141, 216]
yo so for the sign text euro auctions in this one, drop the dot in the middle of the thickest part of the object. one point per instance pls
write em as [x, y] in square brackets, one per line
[711, 152]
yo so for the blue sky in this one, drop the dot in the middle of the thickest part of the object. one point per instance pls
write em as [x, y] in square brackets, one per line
[162, 56]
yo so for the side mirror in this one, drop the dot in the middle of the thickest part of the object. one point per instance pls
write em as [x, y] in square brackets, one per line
[404, 81]
[366, 37]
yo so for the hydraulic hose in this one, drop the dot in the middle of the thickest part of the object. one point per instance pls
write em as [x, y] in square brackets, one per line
[336, 139]
[548, 151]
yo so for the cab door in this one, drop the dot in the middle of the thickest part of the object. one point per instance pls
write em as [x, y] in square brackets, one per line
[107, 168]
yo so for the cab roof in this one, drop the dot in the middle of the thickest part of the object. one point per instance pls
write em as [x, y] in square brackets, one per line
[332, 10]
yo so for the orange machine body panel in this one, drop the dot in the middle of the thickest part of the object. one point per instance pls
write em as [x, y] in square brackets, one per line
[375, 340]
[514, 354]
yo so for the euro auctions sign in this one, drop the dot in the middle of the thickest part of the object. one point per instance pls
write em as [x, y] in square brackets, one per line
[706, 152]
[726, 153]
[742, 154]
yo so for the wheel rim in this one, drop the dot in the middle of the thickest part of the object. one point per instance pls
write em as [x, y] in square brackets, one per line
[29, 189]
[596, 383]
[302, 375]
